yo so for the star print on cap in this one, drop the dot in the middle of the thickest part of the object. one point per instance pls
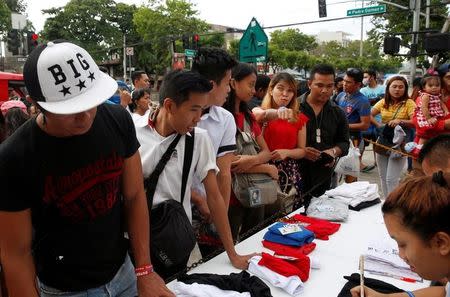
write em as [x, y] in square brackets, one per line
[64, 79]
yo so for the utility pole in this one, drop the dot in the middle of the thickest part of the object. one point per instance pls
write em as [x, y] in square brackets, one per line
[427, 12]
[362, 33]
[124, 58]
[414, 41]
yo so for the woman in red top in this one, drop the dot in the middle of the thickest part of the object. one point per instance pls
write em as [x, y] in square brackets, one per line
[243, 79]
[283, 129]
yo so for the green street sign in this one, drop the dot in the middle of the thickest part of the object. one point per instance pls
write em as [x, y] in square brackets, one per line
[367, 10]
[253, 46]
[190, 53]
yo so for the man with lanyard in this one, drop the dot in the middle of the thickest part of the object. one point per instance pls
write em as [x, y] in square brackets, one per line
[72, 181]
[356, 107]
[374, 92]
[327, 131]
[215, 65]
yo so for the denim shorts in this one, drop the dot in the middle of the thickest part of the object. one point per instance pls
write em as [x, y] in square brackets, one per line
[122, 285]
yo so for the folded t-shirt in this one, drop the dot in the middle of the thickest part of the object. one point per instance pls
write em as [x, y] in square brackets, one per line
[322, 229]
[240, 282]
[287, 250]
[298, 238]
[300, 267]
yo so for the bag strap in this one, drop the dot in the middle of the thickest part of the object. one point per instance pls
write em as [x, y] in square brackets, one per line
[396, 112]
[188, 154]
[151, 182]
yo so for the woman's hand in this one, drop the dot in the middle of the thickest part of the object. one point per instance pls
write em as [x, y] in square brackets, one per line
[368, 292]
[273, 171]
[285, 114]
[394, 122]
[279, 155]
[242, 163]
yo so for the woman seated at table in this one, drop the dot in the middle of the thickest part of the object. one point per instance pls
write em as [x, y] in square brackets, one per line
[417, 217]
[283, 129]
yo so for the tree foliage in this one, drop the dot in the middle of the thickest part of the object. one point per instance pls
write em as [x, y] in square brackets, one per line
[398, 20]
[292, 40]
[95, 25]
[5, 17]
[160, 24]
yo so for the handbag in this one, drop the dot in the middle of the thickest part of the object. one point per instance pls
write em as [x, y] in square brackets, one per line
[252, 189]
[386, 136]
[172, 237]
[287, 194]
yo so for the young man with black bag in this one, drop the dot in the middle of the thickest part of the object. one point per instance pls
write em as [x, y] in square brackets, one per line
[169, 142]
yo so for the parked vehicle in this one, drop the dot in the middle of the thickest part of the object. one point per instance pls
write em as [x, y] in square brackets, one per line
[11, 85]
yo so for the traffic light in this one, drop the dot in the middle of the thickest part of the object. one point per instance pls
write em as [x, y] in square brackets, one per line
[391, 45]
[14, 41]
[195, 41]
[185, 40]
[436, 43]
[322, 8]
[32, 41]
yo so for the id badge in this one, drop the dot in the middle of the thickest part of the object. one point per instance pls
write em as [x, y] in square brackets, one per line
[255, 196]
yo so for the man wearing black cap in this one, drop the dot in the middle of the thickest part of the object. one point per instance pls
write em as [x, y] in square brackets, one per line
[73, 176]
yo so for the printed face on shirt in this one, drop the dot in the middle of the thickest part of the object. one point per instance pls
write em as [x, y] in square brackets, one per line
[72, 124]
[218, 94]
[282, 93]
[185, 116]
[321, 87]
[397, 89]
[245, 88]
[350, 85]
[424, 258]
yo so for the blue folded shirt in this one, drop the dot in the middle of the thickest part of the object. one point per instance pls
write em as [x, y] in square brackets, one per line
[295, 239]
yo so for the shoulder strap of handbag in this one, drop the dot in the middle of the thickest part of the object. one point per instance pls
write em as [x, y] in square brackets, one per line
[396, 112]
[246, 126]
[188, 154]
[151, 182]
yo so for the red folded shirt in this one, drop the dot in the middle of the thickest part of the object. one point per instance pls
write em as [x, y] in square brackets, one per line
[287, 250]
[287, 268]
[321, 228]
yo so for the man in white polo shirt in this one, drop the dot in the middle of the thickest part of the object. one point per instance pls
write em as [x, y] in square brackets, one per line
[215, 65]
[183, 96]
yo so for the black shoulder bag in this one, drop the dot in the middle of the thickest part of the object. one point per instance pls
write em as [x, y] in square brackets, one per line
[172, 237]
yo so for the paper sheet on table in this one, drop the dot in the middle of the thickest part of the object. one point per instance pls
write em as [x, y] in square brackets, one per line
[382, 257]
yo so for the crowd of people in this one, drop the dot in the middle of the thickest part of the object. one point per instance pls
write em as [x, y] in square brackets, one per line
[105, 167]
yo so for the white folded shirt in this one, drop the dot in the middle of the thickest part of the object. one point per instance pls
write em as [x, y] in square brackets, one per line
[181, 289]
[292, 285]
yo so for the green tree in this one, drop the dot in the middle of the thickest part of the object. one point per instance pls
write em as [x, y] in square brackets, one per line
[5, 17]
[234, 48]
[214, 40]
[96, 25]
[292, 39]
[161, 24]
[16, 5]
[398, 20]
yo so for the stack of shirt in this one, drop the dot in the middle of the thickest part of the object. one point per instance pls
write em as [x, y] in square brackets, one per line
[292, 285]
[287, 250]
[322, 229]
[357, 195]
[289, 234]
[327, 209]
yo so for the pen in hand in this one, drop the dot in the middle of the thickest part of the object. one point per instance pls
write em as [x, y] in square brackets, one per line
[361, 274]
